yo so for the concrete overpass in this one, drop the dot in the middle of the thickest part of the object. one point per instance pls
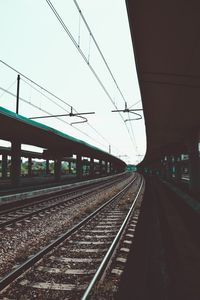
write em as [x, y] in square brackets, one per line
[57, 146]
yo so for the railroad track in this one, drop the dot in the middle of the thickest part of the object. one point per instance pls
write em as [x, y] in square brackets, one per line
[65, 189]
[62, 200]
[73, 262]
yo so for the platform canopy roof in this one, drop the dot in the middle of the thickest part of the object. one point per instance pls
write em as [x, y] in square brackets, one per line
[166, 43]
[16, 128]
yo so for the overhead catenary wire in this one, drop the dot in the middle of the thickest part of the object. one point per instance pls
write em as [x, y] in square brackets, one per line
[98, 48]
[51, 94]
[85, 58]
[51, 100]
[32, 81]
[107, 141]
[135, 103]
[58, 98]
[24, 100]
[93, 128]
[107, 66]
[8, 88]
[46, 112]
[80, 51]
[136, 117]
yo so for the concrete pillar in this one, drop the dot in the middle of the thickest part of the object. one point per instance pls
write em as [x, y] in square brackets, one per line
[57, 169]
[162, 168]
[169, 159]
[70, 167]
[79, 169]
[168, 167]
[111, 168]
[100, 167]
[172, 168]
[106, 167]
[84, 167]
[194, 167]
[47, 167]
[15, 163]
[4, 165]
[177, 164]
[30, 166]
[91, 167]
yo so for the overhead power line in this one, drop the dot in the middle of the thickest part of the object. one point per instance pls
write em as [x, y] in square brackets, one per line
[46, 112]
[80, 51]
[41, 88]
[98, 48]
[11, 85]
[86, 59]
[38, 85]
[135, 103]
[41, 93]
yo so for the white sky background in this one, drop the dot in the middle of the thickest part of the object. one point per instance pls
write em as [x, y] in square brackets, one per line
[33, 42]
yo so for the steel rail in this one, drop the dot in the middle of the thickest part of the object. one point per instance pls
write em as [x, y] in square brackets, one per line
[46, 197]
[40, 210]
[14, 274]
[107, 256]
[50, 196]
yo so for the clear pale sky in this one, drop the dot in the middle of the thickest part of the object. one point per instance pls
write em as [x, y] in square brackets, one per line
[33, 42]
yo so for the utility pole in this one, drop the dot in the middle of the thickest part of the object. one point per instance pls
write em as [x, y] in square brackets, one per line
[109, 149]
[17, 99]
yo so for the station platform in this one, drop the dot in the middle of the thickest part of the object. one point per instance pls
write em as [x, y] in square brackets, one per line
[37, 186]
[164, 262]
[29, 183]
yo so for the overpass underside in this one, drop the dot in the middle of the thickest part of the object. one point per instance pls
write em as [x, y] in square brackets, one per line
[164, 262]
[165, 36]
